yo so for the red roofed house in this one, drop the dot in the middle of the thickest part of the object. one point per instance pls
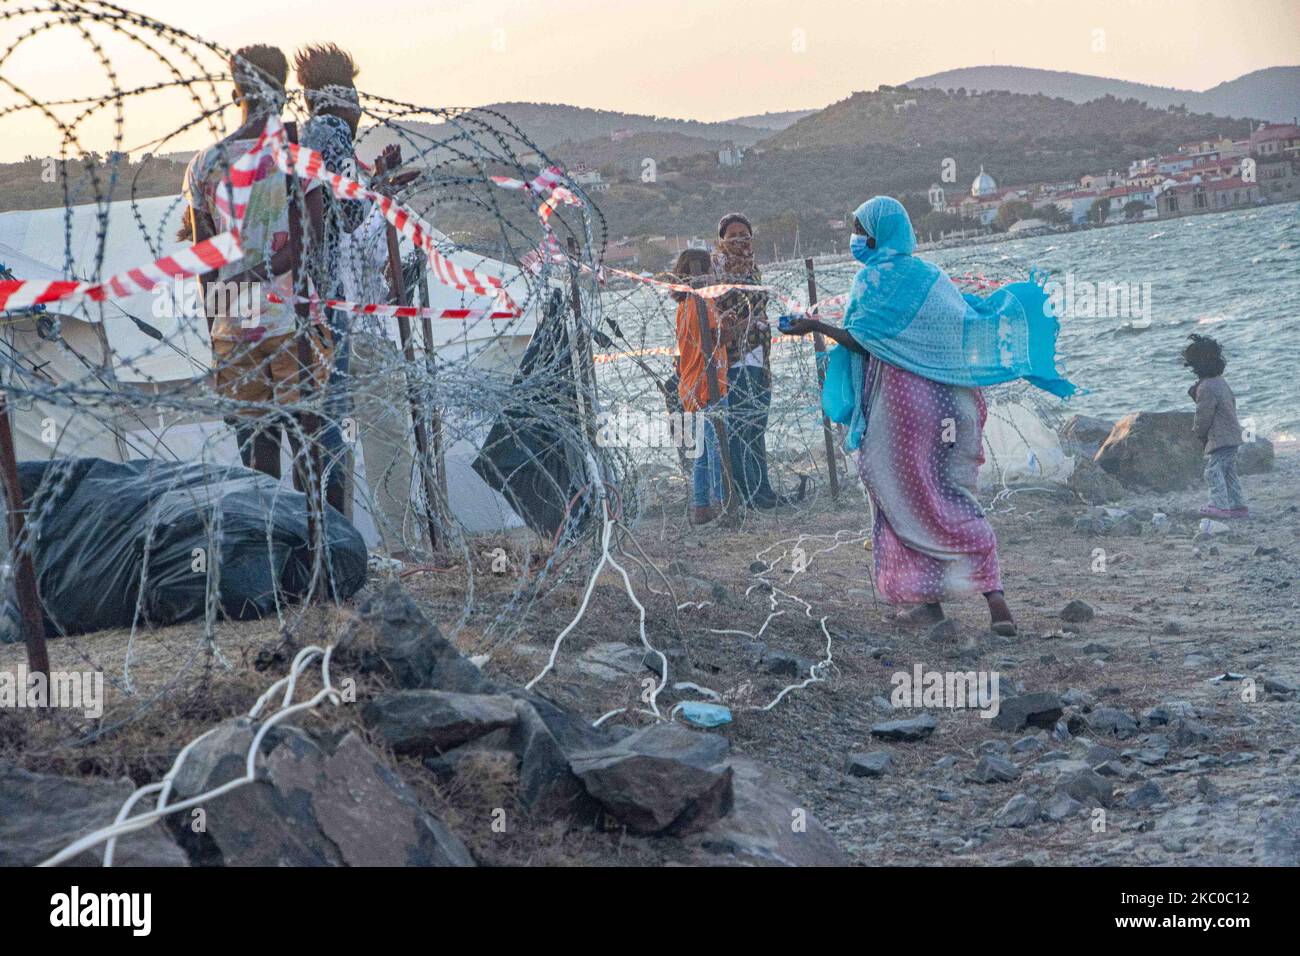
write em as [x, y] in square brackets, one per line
[1275, 140]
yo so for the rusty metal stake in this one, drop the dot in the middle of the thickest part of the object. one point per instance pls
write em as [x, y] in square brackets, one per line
[31, 621]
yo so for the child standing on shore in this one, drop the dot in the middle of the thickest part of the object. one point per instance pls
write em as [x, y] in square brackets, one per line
[1217, 428]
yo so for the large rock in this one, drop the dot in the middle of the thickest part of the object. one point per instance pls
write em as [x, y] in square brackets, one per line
[548, 786]
[913, 728]
[1038, 710]
[662, 779]
[1093, 484]
[1255, 457]
[1155, 450]
[393, 637]
[611, 661]
[1020, 811]
[1089, 788]
[41, 814]
[1083, 435]
[767, 826]
[427, 722]
[313, 802]
[1111, 722]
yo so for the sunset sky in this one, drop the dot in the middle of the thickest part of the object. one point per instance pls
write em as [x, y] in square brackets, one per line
[698, 59]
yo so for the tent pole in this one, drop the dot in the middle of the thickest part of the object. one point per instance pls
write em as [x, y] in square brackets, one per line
[314, 490]
[819, 346]
[31, 621]
[412, 390]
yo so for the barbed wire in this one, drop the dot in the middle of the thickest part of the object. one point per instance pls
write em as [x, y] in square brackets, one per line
[484, 342]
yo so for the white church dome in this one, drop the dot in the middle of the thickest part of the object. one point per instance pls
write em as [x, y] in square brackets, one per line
[984, 185]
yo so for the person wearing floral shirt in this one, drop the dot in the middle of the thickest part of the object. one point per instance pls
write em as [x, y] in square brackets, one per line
[254, 338]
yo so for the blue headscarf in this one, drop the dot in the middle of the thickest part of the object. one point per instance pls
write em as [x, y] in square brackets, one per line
[907, 312]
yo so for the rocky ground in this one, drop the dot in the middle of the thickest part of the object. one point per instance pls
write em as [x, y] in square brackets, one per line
[1149, 707]
[1129, 717]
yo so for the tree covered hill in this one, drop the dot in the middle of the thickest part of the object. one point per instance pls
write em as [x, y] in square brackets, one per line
[902, 115]
[1272, 94]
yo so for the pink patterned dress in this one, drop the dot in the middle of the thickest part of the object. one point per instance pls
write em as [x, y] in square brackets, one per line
[919, 458]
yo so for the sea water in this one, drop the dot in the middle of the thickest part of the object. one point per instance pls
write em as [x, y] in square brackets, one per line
[1232, 275]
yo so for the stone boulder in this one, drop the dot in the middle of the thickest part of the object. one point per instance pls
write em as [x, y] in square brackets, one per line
[910, 728]
[390, 635]
[1083, 435]
[327, 801]
[663, 779]
[428, 722]
[1041, 709]
[1093, 484]
[767, 826]
[1255, 458]
[547, 783]
[41, 814]
[1154, 450]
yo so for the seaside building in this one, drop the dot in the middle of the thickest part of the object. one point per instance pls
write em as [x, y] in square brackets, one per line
[984, 185]
[1076, 204]
[1179, 199]
[1119, 199]
[1278, 179]
[1107, 180]
[1279, 139]
[1212, 149]
[986, 196]
[1173, 164]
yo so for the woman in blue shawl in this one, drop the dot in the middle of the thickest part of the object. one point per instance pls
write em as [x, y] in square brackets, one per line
[906, 380]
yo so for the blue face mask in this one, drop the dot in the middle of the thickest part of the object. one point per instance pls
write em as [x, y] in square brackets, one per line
[859, 248]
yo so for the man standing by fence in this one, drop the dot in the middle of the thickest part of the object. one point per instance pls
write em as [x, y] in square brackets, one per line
[254, 339]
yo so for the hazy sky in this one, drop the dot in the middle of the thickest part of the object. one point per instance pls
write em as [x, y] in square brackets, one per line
[700, 59]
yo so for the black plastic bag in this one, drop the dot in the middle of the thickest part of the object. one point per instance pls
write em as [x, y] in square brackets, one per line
[101, 526]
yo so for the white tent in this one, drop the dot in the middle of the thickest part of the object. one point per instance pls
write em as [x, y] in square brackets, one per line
[1019, 448]
[99, 346]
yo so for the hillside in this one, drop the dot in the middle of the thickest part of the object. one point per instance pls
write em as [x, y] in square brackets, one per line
[627, 155]
[23, 185]
[772, 121]
[1272, 94]
[898, 115]
[550, 124]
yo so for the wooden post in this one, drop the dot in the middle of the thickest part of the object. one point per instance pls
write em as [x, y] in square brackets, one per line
[310, 422]
[819, 346]
[412, 390]
[31, 621]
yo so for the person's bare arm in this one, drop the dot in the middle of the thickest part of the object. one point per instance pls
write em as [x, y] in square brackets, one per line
[832, 332]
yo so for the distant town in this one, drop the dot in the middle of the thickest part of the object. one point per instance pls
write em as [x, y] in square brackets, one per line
[1199, 177]
[1205, 176]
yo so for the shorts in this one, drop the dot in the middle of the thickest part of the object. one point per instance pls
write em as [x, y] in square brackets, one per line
[266, 372]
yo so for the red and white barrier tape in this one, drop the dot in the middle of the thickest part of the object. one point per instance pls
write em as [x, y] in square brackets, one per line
[224, 248]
